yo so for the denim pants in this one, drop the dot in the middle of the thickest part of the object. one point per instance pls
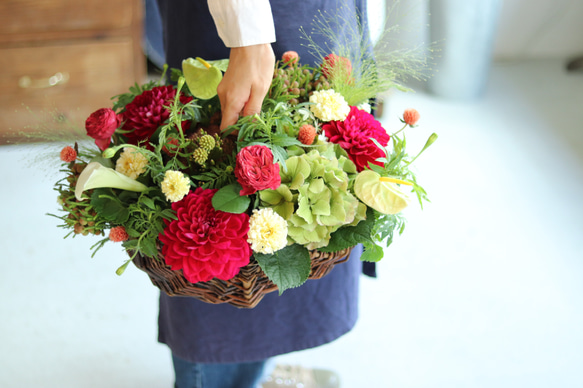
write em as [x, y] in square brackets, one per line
[199, 375]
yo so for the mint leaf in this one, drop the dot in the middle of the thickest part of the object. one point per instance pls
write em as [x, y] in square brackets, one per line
[287, 268]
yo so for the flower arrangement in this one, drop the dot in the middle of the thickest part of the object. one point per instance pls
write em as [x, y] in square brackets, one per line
[311, 172]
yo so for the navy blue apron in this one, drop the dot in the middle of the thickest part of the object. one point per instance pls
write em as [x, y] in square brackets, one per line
[317, 312]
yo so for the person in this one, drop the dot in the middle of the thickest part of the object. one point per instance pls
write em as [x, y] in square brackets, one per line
[221, 345]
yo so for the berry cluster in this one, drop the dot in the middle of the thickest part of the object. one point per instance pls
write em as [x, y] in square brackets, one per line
[81, 217]
[296, 82]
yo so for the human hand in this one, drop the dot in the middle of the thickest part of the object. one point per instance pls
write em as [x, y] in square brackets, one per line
[245, 82]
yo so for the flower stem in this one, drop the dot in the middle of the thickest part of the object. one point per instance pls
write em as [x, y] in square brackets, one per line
[400, 130]
[430, 141]
[176, 114]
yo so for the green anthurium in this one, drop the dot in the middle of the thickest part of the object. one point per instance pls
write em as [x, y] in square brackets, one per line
[201, 77]
[95, 175]
[382, 195]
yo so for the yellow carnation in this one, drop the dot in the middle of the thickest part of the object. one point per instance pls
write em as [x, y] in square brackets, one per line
[329, 105]
[267, 231]
[175, 185]
[131, 163]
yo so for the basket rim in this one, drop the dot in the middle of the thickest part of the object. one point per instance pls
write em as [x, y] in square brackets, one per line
[245, 290]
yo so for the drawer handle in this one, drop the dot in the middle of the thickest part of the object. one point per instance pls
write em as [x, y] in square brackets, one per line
[59, 78]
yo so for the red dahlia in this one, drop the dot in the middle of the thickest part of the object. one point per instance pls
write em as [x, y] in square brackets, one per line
[203, 242]
[354, 135]
[147, 112]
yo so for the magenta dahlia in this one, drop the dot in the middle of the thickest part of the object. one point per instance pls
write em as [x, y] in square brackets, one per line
[147, 112]
[203, 242]
[354, 135]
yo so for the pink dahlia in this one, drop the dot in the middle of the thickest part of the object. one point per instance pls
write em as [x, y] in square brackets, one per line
[354, 135]
[203, 242]
[255, 170]
[147, 112]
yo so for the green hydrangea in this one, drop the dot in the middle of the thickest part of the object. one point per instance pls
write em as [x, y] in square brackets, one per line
[314, 197]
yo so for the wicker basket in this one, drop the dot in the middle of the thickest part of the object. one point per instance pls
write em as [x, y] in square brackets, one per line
[245, 290]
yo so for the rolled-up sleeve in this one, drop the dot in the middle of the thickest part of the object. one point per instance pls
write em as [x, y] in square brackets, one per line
[243, 22]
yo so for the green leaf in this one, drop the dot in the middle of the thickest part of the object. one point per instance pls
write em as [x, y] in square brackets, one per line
[227, 199]
[128, 196]
[284, 140]
[133, 233]
[372, 252]
[168, 214]
[148, 202]
[148, 247]
[279, 154]
[109, 207]
[287, 268]
[349, 236]
[130, 245]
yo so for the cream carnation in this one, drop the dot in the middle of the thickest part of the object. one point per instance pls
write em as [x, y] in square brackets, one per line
[131, 163]
[329, 105]
[267, 231]
[175, 185]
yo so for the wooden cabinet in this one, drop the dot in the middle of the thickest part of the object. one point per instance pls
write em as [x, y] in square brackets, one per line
[60, 60]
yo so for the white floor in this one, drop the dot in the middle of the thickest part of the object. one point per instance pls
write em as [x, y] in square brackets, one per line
[483, 290]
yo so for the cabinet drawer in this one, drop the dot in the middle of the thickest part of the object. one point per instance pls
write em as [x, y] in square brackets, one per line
[34, 17]
[91, 73]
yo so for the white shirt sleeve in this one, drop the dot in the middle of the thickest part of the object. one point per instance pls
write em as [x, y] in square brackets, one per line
[243, 22]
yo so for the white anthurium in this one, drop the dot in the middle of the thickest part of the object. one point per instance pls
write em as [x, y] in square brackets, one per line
[381, 193]
[95, 175]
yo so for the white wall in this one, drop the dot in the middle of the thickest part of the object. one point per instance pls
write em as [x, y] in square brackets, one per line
[526, 28]
[540, 28]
